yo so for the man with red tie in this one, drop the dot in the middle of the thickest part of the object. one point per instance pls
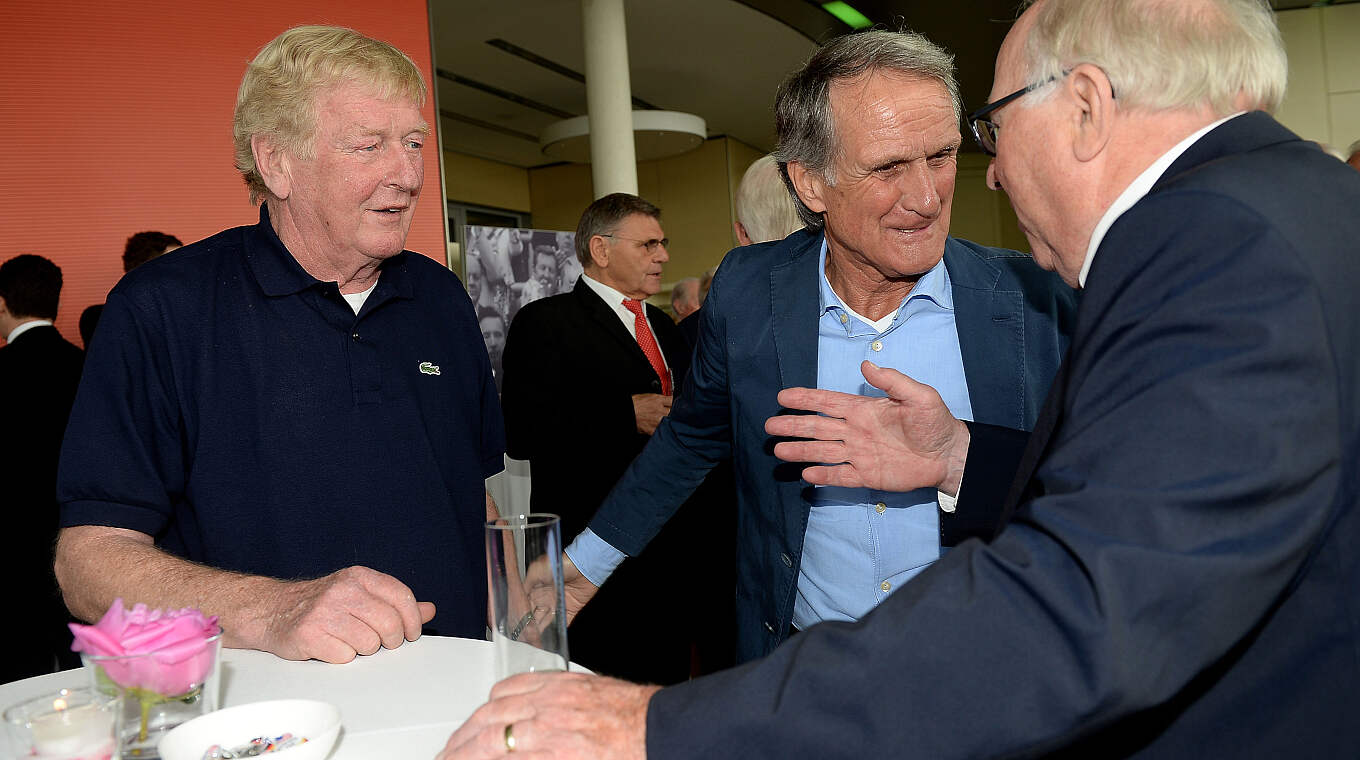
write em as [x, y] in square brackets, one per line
[588, 375]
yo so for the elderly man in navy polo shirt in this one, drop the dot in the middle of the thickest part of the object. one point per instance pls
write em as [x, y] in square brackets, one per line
[288, 425]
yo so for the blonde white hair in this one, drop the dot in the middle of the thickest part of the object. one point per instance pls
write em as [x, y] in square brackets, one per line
[1166, 54]
[278, 95]
[763, 203]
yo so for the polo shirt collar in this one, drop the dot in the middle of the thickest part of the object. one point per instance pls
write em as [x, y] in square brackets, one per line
[279, 274]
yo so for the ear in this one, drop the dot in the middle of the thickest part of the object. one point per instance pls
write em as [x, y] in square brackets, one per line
[4, 307]
[808, 185]
[599, 251]
[1093, 95]
[272, 162]
[742, 237]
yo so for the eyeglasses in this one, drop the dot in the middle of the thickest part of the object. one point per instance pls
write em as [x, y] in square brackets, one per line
[650, 245]
[984, 129]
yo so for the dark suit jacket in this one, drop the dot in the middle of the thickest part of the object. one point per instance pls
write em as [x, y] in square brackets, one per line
[689, 326]
[39, 372]
[571, 370]
[1180, 577]
[758, 335]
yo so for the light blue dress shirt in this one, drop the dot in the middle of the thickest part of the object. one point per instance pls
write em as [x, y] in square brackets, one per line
[861, 544]
[855, 553]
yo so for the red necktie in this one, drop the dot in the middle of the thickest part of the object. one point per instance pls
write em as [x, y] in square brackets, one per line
[647, 341]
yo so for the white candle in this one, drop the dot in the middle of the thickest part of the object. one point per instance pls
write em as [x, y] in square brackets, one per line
[82, 732]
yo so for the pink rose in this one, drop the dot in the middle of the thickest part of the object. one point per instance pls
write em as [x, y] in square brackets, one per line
[168, 652]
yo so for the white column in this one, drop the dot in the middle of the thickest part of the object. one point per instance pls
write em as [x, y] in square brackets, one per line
[609, 98]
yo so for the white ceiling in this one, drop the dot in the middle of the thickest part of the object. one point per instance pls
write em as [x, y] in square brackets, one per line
[718, 59]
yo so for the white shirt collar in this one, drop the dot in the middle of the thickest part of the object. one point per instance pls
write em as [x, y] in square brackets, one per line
[614, 300]
[1137, 189]
[611, 296]
[25, 327]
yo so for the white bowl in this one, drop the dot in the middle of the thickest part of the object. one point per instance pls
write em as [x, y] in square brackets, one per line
[319, 722]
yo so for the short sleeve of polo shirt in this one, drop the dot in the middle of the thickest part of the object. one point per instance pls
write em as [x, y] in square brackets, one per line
[122, 457]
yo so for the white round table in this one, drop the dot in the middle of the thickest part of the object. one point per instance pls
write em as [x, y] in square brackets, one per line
[396, 704]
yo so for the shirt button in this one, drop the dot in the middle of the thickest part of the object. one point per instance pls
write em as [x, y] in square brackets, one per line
[788, 561]
[886, 586]
[880, 507]
[355, 336]
[769, 627]
[876, 345]
[844, 319]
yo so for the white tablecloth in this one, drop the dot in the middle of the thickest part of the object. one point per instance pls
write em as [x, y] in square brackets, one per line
[396, 704]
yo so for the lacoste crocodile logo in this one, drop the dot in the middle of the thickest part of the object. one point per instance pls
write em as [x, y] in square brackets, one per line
[427, 368]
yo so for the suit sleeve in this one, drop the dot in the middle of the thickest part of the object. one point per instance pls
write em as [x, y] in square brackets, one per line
[1193, 474]
[688, 443]
[993, 454]
[549, 400]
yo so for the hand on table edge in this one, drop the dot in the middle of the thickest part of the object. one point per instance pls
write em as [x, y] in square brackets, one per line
[572, 716]
[355, 610]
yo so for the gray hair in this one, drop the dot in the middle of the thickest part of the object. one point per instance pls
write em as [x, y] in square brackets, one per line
[1164, 54]
[763, 204]
[804, 124]
[604, 216]
[685, 291]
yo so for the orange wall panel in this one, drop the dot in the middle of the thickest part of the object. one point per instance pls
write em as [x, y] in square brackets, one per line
[117, 118]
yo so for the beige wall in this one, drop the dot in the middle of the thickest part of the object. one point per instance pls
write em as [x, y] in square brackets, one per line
[479, 182]
[1323, 100]
[980, 214]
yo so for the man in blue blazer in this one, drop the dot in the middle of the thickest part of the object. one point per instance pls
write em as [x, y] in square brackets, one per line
[875, 275]
[1178, 576]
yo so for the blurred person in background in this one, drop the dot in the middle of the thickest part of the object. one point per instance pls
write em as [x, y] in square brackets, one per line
[39, 371]
[685, 297]
[139, 249]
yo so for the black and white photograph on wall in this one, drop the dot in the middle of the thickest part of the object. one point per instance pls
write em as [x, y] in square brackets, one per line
[509, 267]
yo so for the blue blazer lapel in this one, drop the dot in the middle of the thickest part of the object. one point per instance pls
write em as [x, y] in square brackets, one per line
[794, 287]
[991, 327]
[793, 313]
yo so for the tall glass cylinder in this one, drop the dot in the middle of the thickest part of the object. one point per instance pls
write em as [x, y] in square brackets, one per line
[528, 600]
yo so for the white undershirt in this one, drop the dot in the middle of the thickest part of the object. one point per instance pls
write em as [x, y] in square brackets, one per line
[356, 300]
[25, 327]
[1137, 189]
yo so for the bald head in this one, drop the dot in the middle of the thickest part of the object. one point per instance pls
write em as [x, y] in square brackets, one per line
[685, 297]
